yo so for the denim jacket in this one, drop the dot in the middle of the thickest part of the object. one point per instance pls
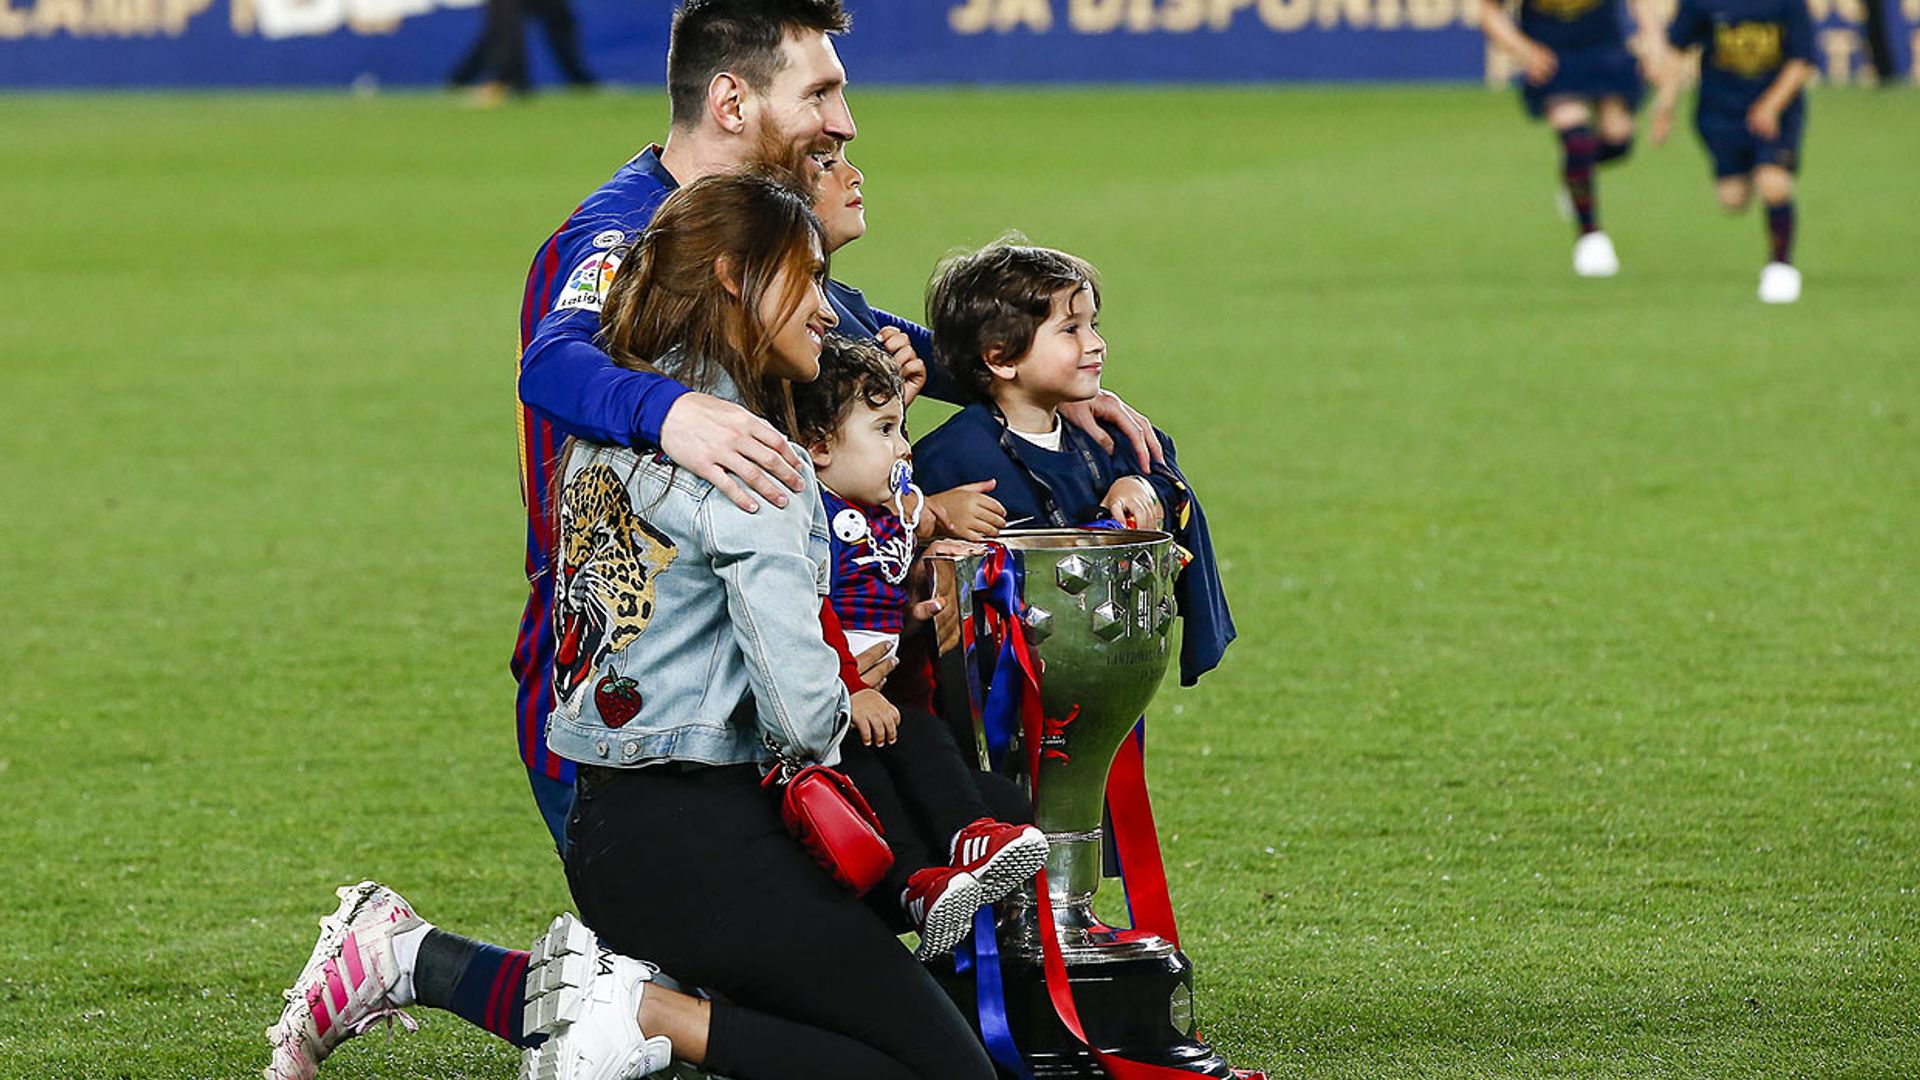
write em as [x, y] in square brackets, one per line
[686, 629]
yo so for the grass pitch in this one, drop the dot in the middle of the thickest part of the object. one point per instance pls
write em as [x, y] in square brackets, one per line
[1571, 732]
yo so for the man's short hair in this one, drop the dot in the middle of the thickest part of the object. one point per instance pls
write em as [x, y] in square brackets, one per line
[738, 36]
[992, 302]
[851, 369]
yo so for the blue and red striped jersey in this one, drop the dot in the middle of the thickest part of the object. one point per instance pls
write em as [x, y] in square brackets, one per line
[568, 387]
[872, 552]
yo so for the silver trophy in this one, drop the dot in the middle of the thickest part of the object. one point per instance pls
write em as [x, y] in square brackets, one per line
[1097, 610]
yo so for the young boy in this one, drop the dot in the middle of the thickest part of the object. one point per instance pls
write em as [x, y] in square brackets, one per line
[1576, 70]
[852, 420]
[1755, 57]
[1017, 327]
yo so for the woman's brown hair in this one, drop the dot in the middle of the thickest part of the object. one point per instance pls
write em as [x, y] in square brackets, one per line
[668, 304]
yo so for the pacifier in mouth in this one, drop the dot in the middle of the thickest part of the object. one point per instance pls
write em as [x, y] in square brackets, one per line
[900, 483]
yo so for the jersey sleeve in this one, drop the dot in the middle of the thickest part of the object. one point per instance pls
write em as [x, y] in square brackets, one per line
[1689, 26]
[564, 374]
[1800, 32]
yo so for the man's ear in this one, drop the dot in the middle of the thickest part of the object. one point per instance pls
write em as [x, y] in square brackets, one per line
[726, 102]
[1000, 367]
[728, 273]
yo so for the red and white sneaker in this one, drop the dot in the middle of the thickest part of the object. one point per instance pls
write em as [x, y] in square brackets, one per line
[941, 901]
[351, 981]
[1000, 856]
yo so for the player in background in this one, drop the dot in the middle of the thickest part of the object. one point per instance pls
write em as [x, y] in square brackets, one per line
[1578, 75]
[1756, 57]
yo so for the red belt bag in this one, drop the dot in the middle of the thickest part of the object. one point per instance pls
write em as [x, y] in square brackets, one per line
[831, 819]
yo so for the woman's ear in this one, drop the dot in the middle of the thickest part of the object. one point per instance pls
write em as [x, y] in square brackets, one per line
[725, 269]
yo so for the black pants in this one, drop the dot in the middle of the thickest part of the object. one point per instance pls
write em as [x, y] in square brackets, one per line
[923, 792]
[500, 52]
[691, 868]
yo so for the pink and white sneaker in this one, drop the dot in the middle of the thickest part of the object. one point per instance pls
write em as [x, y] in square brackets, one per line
[351, 981]
[1000, 856]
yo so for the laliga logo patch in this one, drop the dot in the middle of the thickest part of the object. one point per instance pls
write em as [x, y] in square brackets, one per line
[608, 238]
[851, 527]
[586, 287]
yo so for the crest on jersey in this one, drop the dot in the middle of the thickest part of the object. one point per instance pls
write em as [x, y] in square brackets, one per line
[586, 287]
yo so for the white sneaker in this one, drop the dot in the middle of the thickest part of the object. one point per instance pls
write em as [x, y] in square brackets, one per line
[585, 998]
[1593, 256]
[351, 981]
[1779, 283]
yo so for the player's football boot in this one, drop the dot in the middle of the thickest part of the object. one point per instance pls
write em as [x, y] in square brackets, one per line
[1779, 283]
[940, 901]
[1593, 256]
[1001, 857]
[351, 982]
[585, 998]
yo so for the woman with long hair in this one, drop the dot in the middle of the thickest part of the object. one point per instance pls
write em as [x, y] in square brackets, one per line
[688, 657]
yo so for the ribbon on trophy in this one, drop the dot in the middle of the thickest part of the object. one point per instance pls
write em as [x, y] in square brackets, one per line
[998, 585]
[1136, 839]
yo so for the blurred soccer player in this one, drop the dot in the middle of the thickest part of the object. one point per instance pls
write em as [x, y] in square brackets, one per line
[1755, 58]
[1578, 75]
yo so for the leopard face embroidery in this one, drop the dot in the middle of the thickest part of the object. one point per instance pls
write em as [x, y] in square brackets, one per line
[603, 588]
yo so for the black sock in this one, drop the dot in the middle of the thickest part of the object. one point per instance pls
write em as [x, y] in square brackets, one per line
[1578, 150]
[482, 984]
[1613, 151]
[1780, 231]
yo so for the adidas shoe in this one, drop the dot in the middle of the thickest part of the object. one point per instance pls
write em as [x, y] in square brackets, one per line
[351, 981]
[585, 998]
[1593, 256]
[1001, 857]
[1779, 283]
[941, 901]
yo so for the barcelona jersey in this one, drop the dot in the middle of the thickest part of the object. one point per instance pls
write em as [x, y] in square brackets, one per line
[1743, 45]
[1573, 25]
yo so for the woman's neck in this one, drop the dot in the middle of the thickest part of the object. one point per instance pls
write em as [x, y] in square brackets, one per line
[1028, 417]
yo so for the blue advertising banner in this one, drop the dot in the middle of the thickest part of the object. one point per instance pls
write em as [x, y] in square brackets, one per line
[237, 43]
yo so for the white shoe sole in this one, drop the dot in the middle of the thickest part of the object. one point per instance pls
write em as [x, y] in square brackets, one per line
[559, 966]
[949, 919]
[1012, 866]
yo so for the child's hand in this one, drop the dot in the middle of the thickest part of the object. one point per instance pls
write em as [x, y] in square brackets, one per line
[966, 512]
[1539, 63]
[913, 370]
[1763, 121]
[875, 718]
[1134, 503]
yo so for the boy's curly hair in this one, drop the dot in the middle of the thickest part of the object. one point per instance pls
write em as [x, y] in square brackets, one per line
[851, 369]
[992, 302]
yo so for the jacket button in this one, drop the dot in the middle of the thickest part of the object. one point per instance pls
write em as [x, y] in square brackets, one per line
[600, 748]
[630, 751]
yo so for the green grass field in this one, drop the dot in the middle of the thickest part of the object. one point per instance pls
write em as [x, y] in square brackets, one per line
[1574, 722]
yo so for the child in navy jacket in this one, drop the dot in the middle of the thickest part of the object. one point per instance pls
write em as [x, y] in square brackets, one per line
[1017, 327]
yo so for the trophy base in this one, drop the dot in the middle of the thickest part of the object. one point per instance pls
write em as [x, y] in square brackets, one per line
[1139, 1008]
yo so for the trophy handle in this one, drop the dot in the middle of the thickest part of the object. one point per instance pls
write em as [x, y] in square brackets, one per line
[957, 696]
